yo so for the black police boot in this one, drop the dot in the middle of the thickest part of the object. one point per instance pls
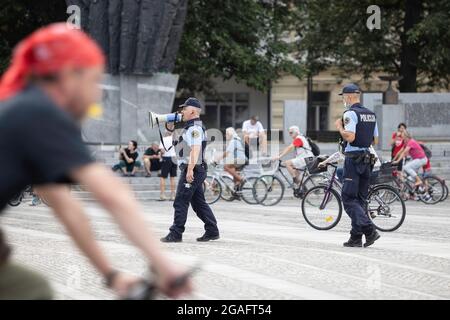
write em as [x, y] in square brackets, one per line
[371, 238]
[207, 237]
[354, 241]
[171, 238]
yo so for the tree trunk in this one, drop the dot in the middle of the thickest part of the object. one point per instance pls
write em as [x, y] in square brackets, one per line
[409, 55]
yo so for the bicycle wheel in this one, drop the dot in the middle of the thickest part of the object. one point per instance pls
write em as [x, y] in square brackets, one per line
[227, 188]
[386, 215]
[434, 190]
[247, 191]
[445, 195]
[260, 190]
[314, 180]
[212, 189]
[274, 190]
[14, 202]
[322, 208]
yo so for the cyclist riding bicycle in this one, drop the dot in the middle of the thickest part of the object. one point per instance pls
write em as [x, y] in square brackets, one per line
[415, 151]
[303, 150]
[233, 156]
[45, 93]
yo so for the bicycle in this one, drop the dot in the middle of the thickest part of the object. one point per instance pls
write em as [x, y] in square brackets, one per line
[384, 205]
[442, 181]
[269, 188]
[432, 190]
[219, 185]
[26, 194]
[147, 290]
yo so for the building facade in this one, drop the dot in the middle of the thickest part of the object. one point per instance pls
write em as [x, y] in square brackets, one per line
[237, 102]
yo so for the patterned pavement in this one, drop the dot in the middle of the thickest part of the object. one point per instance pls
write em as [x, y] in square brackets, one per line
[263, 253]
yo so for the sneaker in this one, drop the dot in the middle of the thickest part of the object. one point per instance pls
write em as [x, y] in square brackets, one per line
[35, 202]
[370, 239]
[162, 198]
[172, 198]
[354, 242]
[206, 238]
[171, 238]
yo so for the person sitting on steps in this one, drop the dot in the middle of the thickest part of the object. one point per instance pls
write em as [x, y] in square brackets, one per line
[128, 163]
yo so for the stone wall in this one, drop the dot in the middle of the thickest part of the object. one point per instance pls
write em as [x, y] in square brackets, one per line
[427, 115]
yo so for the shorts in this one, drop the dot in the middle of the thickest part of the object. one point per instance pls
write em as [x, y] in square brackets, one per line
[298, 163]
[168, 167]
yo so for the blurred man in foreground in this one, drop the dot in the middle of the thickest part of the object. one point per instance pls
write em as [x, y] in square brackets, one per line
[52, 80]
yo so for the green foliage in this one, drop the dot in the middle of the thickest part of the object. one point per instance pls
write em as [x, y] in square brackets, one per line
[19, 18]
[334, 33]
[244, 39]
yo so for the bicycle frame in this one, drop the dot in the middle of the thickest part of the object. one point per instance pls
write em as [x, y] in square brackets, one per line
[288, 180]
[328, 189]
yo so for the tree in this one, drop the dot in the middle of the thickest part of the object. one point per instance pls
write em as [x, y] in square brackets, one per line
[413, 42]
[21, 17]
[244, 39]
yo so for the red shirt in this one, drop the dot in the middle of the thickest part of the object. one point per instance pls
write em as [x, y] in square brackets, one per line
[415, 151]
[298, 143]
[398, 143]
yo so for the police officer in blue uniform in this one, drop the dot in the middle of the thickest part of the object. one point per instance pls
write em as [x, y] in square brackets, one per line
[190, 149]
[358, 129]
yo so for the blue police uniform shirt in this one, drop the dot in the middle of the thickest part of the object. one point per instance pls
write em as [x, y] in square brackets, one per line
[193, 136]
[350, 122]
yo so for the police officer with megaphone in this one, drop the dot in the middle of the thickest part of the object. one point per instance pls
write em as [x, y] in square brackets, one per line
[190, 148]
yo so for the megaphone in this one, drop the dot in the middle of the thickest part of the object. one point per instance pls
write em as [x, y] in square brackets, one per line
[156, 118]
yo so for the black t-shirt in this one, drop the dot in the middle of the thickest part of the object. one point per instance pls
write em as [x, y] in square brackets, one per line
[151, 152]
[43, 143]
[133, 155]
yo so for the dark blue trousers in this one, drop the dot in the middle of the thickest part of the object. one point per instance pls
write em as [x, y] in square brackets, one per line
[354, 196]
[193, 194]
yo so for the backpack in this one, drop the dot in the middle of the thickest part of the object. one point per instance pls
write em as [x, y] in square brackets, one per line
[314, 147]
[427, 151]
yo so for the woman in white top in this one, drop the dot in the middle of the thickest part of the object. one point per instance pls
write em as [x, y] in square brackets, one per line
[234, 155]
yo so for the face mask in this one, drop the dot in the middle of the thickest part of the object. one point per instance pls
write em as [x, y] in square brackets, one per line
[347, 105]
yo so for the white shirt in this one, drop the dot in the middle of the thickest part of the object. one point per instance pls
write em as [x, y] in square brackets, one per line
[168, 143]
[252, 130]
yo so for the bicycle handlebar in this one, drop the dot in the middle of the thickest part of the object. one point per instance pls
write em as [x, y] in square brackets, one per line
[147, 290]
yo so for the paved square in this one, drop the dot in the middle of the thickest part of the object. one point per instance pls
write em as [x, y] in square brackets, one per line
[264, 253]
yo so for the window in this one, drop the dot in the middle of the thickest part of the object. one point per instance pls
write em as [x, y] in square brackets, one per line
[228, 110]
[318, 111]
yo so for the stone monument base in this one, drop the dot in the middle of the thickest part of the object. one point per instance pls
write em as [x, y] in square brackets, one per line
[127, 99]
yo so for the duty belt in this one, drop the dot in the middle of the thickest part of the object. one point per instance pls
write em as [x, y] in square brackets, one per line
[364, 156]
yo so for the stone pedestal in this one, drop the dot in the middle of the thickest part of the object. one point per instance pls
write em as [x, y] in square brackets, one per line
[295, 114]
[127, 99]
[388, 118]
